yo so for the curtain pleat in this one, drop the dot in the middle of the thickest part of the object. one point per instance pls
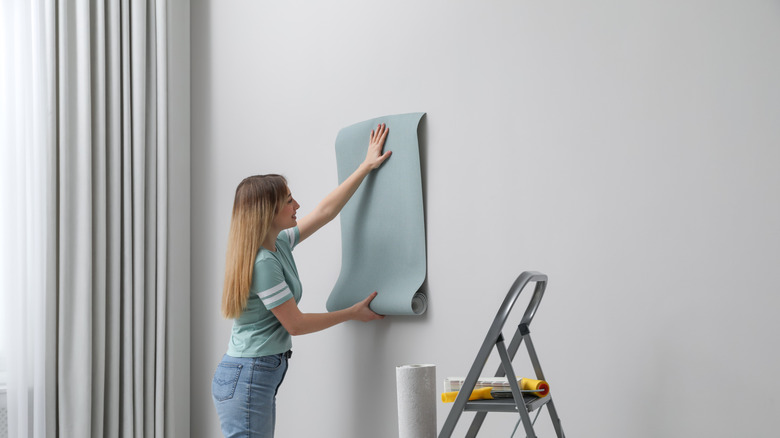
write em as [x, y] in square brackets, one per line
[126, 318]
[75, 238]
[93, 239]
[150, 225]
[100, 216]
[161, 279]
[44, 132]
[44, 398]
[137, 46]
[112, 413]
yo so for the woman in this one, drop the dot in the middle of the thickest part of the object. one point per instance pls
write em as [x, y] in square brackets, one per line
[262, 290]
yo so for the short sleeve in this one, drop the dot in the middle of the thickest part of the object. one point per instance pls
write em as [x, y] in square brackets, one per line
[269, 284]
[290, 236]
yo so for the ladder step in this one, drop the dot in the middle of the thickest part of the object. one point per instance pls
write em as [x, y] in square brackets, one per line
[532, 403]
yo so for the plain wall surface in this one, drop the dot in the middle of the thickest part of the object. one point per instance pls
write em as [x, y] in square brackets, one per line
[627, 149]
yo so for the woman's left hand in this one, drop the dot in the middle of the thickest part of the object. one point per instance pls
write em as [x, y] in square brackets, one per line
[374, 156]
[362, 312]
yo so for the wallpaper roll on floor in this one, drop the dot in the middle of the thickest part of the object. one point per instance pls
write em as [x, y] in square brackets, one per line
[416, 387]
[383, 225]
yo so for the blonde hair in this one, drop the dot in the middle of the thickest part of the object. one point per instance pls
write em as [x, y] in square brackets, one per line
[258, 199]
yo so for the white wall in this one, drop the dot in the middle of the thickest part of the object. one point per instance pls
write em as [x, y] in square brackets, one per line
[628, 149]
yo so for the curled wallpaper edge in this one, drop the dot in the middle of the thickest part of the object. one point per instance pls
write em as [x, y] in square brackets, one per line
[383, 224]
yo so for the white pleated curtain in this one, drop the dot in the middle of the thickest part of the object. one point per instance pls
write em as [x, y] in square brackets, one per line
[84, 163]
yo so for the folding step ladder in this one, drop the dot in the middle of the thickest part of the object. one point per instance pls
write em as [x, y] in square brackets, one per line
[494, 338]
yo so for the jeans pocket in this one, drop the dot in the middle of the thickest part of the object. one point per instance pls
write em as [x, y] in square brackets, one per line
[270, 362]
[225, 380]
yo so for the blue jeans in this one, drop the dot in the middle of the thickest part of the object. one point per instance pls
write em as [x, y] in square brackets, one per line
[244, 393]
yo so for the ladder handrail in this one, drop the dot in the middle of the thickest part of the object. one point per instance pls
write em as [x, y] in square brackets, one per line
[511, 297]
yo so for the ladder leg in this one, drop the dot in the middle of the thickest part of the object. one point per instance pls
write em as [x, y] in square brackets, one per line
[518, 396]
[517, 339]
[555, 420]
[452, 420]
[476, 424]
[529, 345]
[467, 387]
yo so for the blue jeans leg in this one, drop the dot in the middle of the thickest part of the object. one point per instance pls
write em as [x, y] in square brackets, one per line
[244, 393]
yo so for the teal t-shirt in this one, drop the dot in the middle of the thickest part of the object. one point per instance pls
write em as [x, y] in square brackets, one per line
[275, 280]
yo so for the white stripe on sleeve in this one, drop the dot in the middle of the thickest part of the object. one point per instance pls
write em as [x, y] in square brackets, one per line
[271, 302]
[268, 292]
[274, 294]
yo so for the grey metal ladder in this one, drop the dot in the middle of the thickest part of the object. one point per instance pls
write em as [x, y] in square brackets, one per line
[495, 339]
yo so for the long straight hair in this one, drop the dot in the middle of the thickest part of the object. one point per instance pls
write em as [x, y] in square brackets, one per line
[258, 199]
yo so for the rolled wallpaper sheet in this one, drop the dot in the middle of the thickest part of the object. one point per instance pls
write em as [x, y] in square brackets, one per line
[416, 387]
[382, 226]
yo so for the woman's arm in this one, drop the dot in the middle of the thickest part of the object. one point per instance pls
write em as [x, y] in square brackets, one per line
[298, 323]
[330, 207]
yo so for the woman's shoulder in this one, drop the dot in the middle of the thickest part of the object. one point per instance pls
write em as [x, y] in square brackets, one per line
[288, 237]
[264, 256]
[285, 241]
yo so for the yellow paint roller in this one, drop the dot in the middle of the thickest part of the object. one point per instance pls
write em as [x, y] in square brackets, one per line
[477, 394]
[540, 388]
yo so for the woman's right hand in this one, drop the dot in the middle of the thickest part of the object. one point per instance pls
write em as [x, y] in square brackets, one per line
[375, 157]
[362, 312]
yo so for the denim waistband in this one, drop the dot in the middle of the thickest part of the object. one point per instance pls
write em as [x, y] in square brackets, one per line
[287, 354]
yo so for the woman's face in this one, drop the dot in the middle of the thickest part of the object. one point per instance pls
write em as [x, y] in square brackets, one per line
[286, 218]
